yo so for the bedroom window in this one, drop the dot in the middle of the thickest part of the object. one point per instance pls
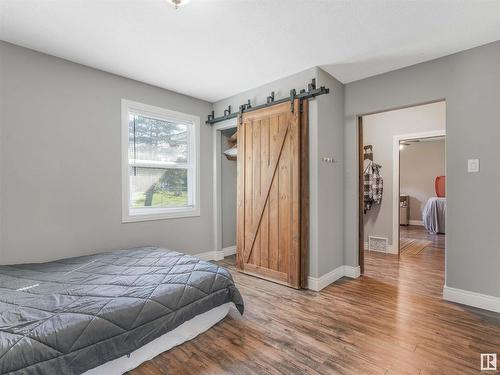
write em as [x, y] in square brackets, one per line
[160, 150]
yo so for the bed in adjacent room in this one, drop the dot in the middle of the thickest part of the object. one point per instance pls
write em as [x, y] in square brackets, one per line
[107, 313]
[434, 215]
[434, 212]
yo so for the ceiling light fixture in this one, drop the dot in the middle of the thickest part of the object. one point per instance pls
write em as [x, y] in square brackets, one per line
[178, 3]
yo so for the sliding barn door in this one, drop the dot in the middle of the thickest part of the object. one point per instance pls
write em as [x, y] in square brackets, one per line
[269, 193]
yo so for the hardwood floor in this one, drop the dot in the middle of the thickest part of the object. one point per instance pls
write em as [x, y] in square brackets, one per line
[415, 240]
[389, 321]
[412, 246]
[420, 233]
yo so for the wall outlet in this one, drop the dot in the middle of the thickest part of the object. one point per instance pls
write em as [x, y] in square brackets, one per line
[473, 165]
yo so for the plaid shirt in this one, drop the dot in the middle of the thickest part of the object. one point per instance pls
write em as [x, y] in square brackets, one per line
[373, 186]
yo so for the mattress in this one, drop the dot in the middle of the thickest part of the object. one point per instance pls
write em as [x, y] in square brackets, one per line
[75, 314]
[185, 332]
[434, 215]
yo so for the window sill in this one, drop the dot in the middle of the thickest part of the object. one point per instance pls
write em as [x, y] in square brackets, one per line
[164, 215]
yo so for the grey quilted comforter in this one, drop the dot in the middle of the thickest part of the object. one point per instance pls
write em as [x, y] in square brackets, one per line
[71, 315]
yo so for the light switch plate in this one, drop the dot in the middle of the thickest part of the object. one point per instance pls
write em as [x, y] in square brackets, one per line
[473, 165]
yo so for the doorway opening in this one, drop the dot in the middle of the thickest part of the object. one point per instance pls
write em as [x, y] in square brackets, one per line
[402, 204]
[225, 181]
[422, 195]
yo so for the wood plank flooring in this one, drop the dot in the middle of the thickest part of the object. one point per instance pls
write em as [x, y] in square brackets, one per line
[412, 246]
[415, 240]
[389, 321]
[420, 233]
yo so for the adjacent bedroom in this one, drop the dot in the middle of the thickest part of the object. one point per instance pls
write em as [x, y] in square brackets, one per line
[249, 187]
[404, 193]
[422, 202]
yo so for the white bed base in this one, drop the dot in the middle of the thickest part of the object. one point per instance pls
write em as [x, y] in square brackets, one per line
[185, 332]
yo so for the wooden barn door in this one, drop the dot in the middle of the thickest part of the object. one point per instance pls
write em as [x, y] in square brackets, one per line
[269, 203]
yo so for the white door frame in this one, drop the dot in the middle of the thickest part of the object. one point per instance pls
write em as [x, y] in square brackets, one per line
[395, 178]
[217, 198]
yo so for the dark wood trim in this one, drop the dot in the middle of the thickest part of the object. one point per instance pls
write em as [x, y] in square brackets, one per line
[398, 243]
[240, 196]
[361, 234]
[304, 194]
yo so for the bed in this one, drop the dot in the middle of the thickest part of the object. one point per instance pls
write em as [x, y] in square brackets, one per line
[434, 215]
[106, 313]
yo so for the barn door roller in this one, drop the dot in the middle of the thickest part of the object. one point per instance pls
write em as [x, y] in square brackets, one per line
[311, 92]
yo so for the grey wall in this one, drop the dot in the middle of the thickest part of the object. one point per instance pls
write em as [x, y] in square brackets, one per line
[420, 164]
[470, 83]
[66, 117]
[259, 94]
[378, 131]
[60, 162]
[228, 193]
[330, 176]
[326, 180]
[60, 186]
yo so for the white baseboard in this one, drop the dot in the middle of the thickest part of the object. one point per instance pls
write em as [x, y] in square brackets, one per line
[217, 255]
[352, 272]
[230, 250]
[465, 297]
[416, 222]
[318, 283]
[313, 283]
[211, 255]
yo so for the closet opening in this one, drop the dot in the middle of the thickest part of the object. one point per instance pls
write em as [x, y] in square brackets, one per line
[225, 187]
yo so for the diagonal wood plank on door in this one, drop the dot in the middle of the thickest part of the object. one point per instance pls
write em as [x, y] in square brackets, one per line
[261, 203]
[269, 193]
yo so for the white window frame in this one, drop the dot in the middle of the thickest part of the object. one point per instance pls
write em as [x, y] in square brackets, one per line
[147, 214]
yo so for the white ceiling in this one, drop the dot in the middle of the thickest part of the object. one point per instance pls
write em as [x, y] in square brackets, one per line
[212, 49]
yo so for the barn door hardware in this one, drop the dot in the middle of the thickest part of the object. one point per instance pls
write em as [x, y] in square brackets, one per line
[293, 95]
[248, 105]
[312, 86]
[311, 92]
[270, 98]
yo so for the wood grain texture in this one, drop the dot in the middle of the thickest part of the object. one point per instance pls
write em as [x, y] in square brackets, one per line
[412, 246]
[420, 233]
[240, 196]
[416, 240]
[361, 233]
[304, 194]
[392, 320]
[269, 212]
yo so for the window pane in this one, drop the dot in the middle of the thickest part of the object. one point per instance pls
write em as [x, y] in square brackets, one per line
[158, 188]
[157, 140]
